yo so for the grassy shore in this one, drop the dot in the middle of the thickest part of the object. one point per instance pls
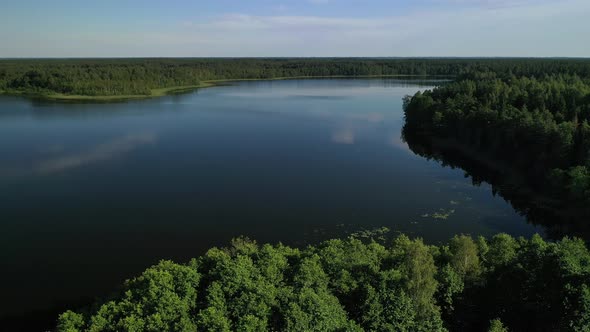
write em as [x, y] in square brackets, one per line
[154, 93]
[114, 98]
[160, 92]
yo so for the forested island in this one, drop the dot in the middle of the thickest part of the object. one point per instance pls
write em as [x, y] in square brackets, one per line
[358, 284]
[120, 79]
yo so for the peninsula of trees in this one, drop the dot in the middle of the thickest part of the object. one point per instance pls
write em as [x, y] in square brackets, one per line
[538, 125]
[467, 284]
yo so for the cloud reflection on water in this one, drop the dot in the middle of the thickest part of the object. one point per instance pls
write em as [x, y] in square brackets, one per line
[100, 152]
[343, 136]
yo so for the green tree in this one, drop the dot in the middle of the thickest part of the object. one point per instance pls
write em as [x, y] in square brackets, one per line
[464, 256]
[502, 250]
[418, 269]
[450, 285]
[70, 321]
[497, 326]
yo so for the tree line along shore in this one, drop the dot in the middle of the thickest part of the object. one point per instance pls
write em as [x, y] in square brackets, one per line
[120, 79]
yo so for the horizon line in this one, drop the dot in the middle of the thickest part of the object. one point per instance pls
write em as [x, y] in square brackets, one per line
[296, 57]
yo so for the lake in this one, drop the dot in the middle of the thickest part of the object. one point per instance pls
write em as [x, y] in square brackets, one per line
[92, 194]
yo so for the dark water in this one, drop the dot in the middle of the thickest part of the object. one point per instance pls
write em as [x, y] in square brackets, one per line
[91, 194]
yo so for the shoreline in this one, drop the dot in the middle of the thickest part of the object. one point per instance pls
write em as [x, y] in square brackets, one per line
[162, 92]
[535, 198]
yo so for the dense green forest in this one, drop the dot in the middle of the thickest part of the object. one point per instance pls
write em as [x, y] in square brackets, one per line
[539, 124]
[124, 77]
[357, 284]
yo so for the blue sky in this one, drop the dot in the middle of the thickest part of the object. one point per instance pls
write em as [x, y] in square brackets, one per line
[233, 28]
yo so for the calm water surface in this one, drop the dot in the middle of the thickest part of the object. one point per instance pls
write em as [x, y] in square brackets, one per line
[91, 194]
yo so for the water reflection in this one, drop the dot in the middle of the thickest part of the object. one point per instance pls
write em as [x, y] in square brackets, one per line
[559, 217]
[54, 157]
[343, 136]
[98, 153]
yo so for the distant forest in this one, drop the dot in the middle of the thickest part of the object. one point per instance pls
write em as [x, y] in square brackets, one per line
[358, 284]
[119, 77]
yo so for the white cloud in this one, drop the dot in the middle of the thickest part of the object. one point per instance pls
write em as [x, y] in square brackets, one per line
[493, 3]
[486, 28]
[533, 28]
